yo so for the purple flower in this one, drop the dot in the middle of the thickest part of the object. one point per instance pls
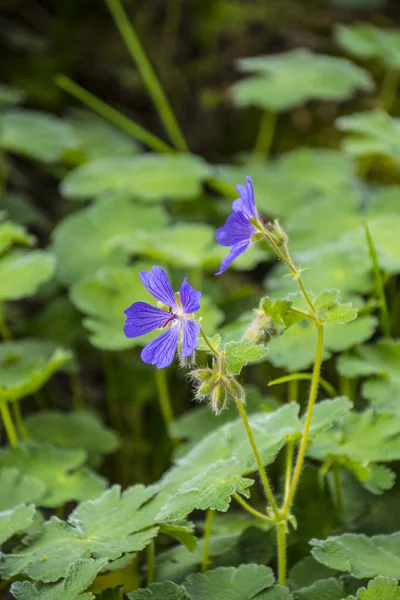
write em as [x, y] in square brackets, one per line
[239, 229]
[173, 313]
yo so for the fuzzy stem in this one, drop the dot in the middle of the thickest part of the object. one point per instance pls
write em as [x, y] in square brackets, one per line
[206, 540]
[8, 424]
[288, 467]
[114, 116]
[148, 74]
[150, 551]
[385, 321]
[250, 509]
[281, 543]
[207, 341]
[304, 440]
[164, 399]
[264, 479]
[287, 259]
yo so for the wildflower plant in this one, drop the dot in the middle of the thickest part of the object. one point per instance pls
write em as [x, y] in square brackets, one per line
[163, 283]
[218, 383]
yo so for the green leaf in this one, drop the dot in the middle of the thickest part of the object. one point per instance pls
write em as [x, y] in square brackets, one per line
[366, 41]
[245, 583]
[380, 588]
[79, 576]
[97, 138]
[11, 233]
[108, 527]
[215, 468]
[282, 81]
[160, 591]
[307, 572]
[236, 538]
[240, 354]
[326, 589]
[359, 555]
[15, 520]
[17, 488]
[183, 533]
[358, 441]
[328, 412]
[22, 273]
[296, 181]
[25, 367]
[182, 245]
[149, 177]
[99, 235]
[103, 297]
[35, 134]
[194, 424]
[295, 349]
[75, 430]
[326, 220]
[340, 265]
[211, 488]
[381, 358]
[61, 471]
[370, 133]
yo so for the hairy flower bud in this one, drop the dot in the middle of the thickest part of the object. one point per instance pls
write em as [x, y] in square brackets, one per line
[234, 388]
[259, 330]
[202, 374]
[218, 398]
[277, 233]
[208, 385]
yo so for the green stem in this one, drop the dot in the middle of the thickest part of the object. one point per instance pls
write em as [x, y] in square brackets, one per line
[328, 387]
[16, 409]
[148, 74]
[287, 259]
[205, 561]
[265, 135]
[250, 509]
[4, 330]
[281, 542]
[150, 551]
[114, 116]
[8, 424]
[293, 392]
[338, 489]
[304, 440]
[385, 320]
[164, 399]
[264, 479]
[207, 341]
[288, 467]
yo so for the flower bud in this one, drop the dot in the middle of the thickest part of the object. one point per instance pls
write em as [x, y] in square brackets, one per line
[234, 388]
[259, 330]
[218, 398]
[202, 374]
[208, 385]
[277, 233]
